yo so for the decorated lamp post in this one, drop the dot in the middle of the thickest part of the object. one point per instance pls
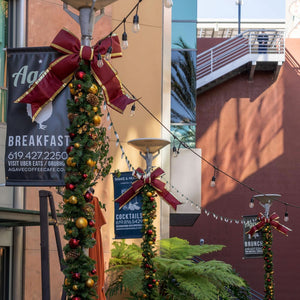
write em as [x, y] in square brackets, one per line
[265, 224]
[91, 79]
[150, 186]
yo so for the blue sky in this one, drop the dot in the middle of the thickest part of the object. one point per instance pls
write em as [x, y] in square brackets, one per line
[250, 9]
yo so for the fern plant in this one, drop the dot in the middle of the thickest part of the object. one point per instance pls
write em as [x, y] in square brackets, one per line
[178, 275]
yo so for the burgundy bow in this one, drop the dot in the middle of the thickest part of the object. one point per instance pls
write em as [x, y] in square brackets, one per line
[61, 70]
[272, 221]
[158, 185]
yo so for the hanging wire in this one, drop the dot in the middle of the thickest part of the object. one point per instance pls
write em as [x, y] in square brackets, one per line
[203, 158]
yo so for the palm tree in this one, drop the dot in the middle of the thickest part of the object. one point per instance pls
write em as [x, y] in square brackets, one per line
[183, 92]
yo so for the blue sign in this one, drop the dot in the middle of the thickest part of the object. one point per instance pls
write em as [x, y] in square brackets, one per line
[128, 219]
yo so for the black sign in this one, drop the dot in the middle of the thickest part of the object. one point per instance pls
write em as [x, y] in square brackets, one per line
[128, 219]
[35, 151]
[252, 245]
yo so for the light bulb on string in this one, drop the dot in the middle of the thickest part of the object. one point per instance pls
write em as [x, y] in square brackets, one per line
[100, 62]
[168, 3]
[124, 37]
[136, 21]
[175, 151]
[136, 24]
[286, 215]
[213, 179]
[251, 203]
[108, 53]
[132, 111]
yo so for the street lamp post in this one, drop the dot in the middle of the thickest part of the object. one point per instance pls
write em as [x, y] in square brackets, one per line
[86, 18]
[239, 4]
[148, 148]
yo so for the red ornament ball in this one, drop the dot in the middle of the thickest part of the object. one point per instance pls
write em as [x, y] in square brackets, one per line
[74, 243]
[150, 286]
[94, 271]
[84, 176]
[150, 231]
[79, 86]
[76, 298]
[70, 186]
[80, 75]
[72, 135]
[88, 196]
[152, 198]
[76, 276]
[92, 223]
[69, 149]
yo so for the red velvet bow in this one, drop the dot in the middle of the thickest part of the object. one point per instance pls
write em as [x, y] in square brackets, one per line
[272, 221]
[61, 70]
[158, 185]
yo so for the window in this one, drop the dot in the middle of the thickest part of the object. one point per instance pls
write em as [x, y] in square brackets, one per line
[183, 71]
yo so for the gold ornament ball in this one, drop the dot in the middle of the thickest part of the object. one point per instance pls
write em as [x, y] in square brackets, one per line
[70, 231]
[71, 86]
[149, 194]
[75, 287]
[90, 162]
[95, 108]
[90, 283]
[73, 200]
[97, 120]
[77, 145]
[81, 223]
[67, 282]
[73, 92]
[69, 161]
[93, 89]
[150, 243]
[147, 276]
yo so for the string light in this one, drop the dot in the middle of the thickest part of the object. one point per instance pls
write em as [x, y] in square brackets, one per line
[108, 53]
[132, 111]
[286, 215]
[168, 3]
[124, 37]
[213, 179]
[251, 203]
[100, 62]
[136, 21]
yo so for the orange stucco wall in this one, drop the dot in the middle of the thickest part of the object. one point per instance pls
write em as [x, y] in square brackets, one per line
[140, 71]
[250, 131]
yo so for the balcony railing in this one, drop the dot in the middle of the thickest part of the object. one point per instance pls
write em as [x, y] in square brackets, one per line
[240, 50]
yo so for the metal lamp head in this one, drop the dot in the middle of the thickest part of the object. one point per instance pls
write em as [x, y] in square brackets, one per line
[147, 147]
[78, 4]
[86, 18]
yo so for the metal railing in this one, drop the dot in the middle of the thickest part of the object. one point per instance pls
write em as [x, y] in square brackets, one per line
[247, 43]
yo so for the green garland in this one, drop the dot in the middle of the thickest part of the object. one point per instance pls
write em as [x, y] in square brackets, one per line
[268, 262]
[150, 284]
[87, 161]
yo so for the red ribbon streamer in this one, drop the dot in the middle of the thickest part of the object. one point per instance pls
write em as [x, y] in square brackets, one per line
[271, 221]
[158, 185]
[61, 70]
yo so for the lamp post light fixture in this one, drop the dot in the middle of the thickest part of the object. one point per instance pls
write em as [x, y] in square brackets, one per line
[86, 18]
[266, 200]
[148, 147]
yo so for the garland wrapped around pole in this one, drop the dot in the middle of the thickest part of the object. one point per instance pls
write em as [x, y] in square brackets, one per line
[93, 79]
[265, 225]
[88, 152]
[150, 187]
